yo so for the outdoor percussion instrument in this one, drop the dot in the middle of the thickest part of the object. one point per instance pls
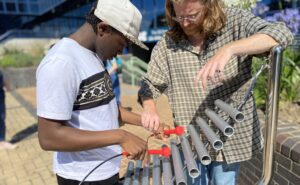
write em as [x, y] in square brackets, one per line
[169, 169]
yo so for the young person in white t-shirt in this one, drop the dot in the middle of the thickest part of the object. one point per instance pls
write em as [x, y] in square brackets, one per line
[77, 111]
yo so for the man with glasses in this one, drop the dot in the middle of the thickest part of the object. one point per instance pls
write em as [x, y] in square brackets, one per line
[206, 55]
[77, 110]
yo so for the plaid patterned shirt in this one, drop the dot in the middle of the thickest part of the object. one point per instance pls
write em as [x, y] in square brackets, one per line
[173, 68]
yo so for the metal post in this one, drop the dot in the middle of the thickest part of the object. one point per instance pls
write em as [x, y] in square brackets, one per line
[271, 114]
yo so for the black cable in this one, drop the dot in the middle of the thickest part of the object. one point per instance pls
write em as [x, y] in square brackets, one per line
[109, 160]
[98, 167]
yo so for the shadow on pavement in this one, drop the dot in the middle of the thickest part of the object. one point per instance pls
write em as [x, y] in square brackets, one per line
[25, 133]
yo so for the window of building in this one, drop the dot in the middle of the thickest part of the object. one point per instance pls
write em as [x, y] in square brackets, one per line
[1, 6]
[11, 7]
[34, 8]
[23, 7]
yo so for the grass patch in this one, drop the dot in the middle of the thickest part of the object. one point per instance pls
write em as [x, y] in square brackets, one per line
[13, 58]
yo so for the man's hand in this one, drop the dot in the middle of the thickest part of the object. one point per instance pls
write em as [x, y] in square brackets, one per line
[214, 69]
[135, 146]
[150, 118]
[160, 134]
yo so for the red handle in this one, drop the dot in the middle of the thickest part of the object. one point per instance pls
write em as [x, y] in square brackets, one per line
[165, 151]
[154, 152]
[178, 131]
[125, 153]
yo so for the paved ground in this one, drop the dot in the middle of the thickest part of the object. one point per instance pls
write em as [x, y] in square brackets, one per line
[28, 164]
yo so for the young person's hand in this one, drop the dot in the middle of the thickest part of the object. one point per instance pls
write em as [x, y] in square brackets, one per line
[134, 146]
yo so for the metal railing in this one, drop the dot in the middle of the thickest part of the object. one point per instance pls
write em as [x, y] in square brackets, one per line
[133, 69]
[271, 114]
[11, 34]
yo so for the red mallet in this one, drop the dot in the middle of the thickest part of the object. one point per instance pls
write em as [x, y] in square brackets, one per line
[125, 153]
[178, 131]
[165, 151]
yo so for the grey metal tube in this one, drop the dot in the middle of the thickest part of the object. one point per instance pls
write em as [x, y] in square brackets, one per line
[236, 115]
[177, 164]
[214, 140]
[145, 179]
[271, 114]
[156, 173]
[129, 171]
[189, 158]
[220, 123]
[138, 166]
[167, 171]
[200, 148]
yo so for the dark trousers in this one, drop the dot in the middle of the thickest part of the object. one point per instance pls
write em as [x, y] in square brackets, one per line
[2, 120]
[114, 180]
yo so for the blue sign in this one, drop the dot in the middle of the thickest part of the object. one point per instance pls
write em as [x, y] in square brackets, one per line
[152, 35]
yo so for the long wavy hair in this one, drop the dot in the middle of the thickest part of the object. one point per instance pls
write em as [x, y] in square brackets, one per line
[213, 20]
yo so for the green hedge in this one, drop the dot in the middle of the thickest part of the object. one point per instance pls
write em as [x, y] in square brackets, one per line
[290, 79]
[16, 58]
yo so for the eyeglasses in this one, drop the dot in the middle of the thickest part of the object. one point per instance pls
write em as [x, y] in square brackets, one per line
[190, 18]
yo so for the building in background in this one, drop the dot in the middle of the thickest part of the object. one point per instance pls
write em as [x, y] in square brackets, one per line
[280, 4]
[59, 18]
[41, 18]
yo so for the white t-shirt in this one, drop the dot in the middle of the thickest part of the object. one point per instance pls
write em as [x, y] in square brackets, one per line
[73, 85]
